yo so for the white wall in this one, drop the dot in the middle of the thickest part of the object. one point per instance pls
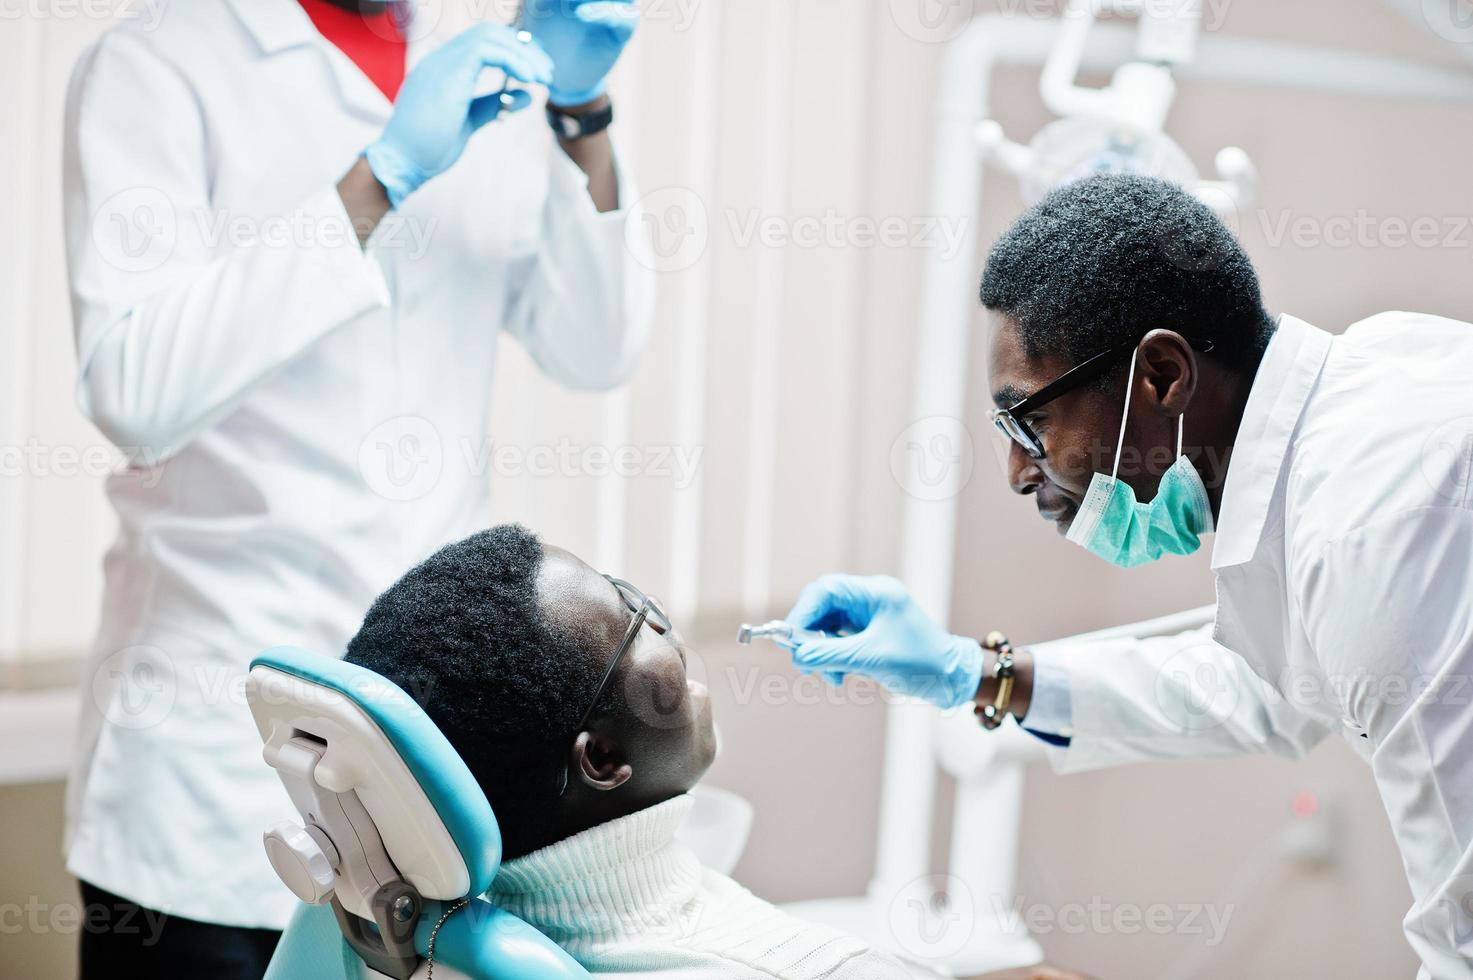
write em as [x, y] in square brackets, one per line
[52, 527]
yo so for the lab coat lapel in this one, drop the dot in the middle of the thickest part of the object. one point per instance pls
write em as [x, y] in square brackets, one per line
[1252, 585]
[356, 90]
[1290, 367]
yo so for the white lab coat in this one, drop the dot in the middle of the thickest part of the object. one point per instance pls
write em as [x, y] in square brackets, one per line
[1344, 565]
[307, 420]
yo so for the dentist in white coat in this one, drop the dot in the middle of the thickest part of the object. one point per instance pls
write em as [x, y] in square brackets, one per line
[1148, 399]
[294, 253]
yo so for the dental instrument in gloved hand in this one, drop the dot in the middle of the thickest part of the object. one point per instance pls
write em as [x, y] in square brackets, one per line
[512, 99]
[782, 633]
[892, 639]
[506, 95]
[438, 110]
[789, 637]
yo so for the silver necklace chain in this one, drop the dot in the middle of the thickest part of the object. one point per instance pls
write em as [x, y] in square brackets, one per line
[435, 934]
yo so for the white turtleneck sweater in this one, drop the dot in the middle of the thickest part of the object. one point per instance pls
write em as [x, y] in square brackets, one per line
[627, 898]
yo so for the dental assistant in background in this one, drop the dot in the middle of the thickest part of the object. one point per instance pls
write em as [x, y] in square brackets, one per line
[1148, 398]
[297, 233]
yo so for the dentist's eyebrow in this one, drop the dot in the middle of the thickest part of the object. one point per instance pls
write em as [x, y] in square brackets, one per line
[1007, 396]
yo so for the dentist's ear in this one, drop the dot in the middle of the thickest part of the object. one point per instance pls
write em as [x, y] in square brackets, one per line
[598, 763]
[1169, 366]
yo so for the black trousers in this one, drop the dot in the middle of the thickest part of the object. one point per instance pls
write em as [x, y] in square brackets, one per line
[121, 940]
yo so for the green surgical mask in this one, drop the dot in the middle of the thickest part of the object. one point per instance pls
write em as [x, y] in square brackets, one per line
[1124, 532]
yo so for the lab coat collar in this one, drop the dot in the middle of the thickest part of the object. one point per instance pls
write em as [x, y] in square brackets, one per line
[280, 25]
[1287, 374]
[276, 25]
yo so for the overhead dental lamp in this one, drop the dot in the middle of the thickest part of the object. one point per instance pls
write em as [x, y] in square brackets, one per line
[1118, 128]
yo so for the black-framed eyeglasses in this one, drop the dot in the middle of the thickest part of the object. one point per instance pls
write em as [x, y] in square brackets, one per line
[646, 610]
[1011, 421]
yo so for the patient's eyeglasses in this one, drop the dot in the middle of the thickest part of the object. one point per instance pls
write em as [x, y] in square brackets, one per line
[645, 610]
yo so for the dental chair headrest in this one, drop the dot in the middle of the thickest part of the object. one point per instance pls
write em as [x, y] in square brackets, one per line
[352, 732]
[394, 834]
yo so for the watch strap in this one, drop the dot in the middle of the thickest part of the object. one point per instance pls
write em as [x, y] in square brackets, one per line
[576, 125]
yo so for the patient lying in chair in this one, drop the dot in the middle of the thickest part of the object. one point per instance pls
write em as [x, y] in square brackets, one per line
[566, 694]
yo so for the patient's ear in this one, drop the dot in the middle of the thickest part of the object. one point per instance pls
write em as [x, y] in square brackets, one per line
[598, 763]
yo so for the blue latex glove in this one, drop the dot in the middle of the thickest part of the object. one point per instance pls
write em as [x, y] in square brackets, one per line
[584, 38]
[893, 640]
[438, 110]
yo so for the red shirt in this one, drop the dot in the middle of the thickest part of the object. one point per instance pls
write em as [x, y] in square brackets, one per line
[372, 41]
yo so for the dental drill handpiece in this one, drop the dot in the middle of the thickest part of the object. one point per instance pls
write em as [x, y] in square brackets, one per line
[789, 637]
[779, 631]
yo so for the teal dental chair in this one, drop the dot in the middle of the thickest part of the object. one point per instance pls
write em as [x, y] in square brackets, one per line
[396, 841]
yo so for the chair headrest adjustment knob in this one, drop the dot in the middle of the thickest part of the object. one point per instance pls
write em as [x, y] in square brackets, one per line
[304, 859]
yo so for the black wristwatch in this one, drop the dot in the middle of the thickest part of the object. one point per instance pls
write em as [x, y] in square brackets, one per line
[576, 125]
